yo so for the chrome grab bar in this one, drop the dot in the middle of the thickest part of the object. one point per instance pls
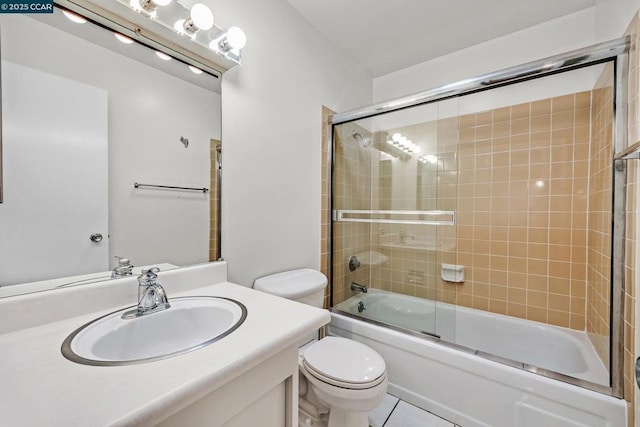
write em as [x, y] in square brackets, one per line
[437, 217]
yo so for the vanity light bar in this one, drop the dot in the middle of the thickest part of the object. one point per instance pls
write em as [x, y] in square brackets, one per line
[196, 22]
[124, 29]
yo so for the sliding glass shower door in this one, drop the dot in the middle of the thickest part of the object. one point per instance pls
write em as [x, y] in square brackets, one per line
[394, 204]
[485, 221]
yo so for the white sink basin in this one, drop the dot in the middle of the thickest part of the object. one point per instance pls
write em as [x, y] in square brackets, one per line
[189, 324]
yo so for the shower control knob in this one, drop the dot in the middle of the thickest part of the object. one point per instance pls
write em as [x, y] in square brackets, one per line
[96, 237]
[353, 263]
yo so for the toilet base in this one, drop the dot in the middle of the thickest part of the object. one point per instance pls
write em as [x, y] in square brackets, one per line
[342, 418]
[306, 420]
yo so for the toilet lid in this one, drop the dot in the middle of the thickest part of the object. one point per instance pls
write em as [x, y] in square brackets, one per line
[346, 362]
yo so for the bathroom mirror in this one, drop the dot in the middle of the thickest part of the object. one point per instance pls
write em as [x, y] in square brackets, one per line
[96, 128]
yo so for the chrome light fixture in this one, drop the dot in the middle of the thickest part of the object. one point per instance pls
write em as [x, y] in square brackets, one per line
[229, 44]
[149, 6]
[200, 18]
[196, 22]
[233, 39]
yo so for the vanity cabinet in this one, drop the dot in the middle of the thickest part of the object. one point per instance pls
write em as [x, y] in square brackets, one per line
[248, 378]
[265, 396]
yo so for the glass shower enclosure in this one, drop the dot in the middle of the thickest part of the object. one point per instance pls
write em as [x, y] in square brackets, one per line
[481, 213]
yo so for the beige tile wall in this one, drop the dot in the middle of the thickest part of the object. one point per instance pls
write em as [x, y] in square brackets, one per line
[214, 254]
[352, 190]
[518, 179]
[522, 203]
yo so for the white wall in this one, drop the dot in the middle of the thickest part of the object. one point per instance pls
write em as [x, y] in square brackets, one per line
[560, 35]
[148, 111]
[612, 17]
[271, 135]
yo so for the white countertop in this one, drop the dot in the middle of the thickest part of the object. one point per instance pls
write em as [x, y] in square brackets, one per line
[39, 387]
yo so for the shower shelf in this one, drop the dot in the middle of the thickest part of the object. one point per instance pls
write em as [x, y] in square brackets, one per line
[436, 217]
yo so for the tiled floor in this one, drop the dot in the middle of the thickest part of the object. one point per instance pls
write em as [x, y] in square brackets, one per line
[396, 413]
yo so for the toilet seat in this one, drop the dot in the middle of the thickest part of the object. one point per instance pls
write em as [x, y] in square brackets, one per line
[344, 363]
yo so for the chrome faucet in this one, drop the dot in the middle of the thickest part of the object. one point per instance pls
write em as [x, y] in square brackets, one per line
[123, 269]
[151, 295]
[404, 236]
[358, 287]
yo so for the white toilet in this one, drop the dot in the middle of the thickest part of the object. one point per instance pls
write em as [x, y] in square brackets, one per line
[340, 376]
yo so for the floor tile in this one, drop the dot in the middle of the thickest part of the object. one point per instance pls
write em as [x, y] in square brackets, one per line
[378, 416]
[406, 415]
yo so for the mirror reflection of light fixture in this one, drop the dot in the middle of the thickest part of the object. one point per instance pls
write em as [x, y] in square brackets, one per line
[195, 70]
[122, 38]
[73, 17]
[403, 143]
[163, 56]
[430, 158]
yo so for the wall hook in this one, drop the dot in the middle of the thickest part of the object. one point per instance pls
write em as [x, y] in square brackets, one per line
[185, 141]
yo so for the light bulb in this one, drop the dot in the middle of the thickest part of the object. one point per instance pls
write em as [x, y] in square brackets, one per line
[122, 38]
[416, 149]
[179, 26]
[236, 38]
[215, 44]
[202, 16]
[163, 56]
[396, 137]
[148, 7]
[195, 70]
[403, 141]
[73, 17]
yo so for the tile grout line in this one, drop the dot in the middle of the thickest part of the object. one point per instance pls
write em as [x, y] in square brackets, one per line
[394, 408]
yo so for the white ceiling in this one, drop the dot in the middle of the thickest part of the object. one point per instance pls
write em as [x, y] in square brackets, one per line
[385, 36]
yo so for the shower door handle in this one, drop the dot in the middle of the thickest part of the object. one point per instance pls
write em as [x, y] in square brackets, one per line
[638, 371]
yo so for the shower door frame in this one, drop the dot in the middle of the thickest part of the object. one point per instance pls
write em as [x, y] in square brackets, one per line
[615, 51]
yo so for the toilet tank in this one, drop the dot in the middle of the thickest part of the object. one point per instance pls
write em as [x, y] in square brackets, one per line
[304, 285]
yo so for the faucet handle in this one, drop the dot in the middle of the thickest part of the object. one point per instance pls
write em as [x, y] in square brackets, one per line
[148, 277]
[123, 262]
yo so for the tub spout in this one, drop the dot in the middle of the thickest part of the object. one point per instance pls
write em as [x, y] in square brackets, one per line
[358, 287]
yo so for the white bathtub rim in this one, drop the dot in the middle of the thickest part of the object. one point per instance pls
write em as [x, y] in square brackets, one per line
[461, 357]
[538, 386]
[596, 377]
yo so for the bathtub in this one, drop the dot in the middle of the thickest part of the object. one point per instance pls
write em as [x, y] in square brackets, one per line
[487, 378]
